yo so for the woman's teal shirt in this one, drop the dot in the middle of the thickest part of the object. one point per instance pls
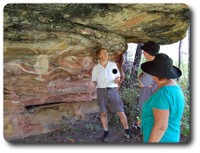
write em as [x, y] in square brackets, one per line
[166, 98]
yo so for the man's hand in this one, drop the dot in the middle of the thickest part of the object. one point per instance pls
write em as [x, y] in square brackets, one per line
[117, 80]
[140, 84]
[94, 83]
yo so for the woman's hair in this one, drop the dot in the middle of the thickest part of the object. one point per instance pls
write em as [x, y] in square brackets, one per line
[160, 79]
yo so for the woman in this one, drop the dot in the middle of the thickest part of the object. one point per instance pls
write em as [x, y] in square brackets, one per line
[162, 112]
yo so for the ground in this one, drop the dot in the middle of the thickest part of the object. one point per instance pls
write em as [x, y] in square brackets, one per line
[86, 132]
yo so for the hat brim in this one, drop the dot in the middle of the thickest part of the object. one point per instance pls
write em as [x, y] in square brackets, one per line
[152, 69]
[143, 47]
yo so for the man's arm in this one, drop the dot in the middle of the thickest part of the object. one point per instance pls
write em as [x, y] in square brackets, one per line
[94, 75]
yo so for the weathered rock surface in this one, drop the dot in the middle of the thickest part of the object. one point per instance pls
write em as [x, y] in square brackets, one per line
[163, 23]
[49, 53]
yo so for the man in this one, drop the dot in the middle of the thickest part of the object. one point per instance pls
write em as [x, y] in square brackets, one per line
[106, 77]
[150, 50]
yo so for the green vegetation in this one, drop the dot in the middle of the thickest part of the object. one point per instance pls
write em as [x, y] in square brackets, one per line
[186, 120]
[130, 98]
[92, 127]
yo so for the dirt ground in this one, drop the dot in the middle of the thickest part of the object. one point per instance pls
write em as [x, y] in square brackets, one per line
[85, 132]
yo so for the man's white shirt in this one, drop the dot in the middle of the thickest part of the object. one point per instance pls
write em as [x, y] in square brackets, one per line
[104, 76]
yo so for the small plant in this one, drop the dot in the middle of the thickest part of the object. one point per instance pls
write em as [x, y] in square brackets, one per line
[129, 97]
[113, 119]
[78, 129]
[91, 127]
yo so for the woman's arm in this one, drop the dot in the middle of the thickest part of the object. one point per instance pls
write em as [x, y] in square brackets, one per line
[161, 118]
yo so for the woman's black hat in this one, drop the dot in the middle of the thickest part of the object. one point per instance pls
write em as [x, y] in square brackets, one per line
[161, 66]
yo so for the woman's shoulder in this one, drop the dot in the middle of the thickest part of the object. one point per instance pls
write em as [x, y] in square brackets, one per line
[168, 90]
[165, 96]
[170, 87]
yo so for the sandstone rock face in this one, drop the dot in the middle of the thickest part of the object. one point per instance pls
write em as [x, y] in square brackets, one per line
[138, 23]
[49, 53]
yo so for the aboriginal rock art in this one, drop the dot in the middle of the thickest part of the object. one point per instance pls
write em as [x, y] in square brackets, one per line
[41, 66]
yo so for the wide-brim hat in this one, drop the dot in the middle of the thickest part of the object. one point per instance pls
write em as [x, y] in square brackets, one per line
[151, 47]
[161, 66]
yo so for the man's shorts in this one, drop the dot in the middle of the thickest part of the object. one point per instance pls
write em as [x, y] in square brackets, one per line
[109, 97]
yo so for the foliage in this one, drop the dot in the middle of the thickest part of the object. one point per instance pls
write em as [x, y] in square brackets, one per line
[186, 119]
[92, 127]
[129, 97]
